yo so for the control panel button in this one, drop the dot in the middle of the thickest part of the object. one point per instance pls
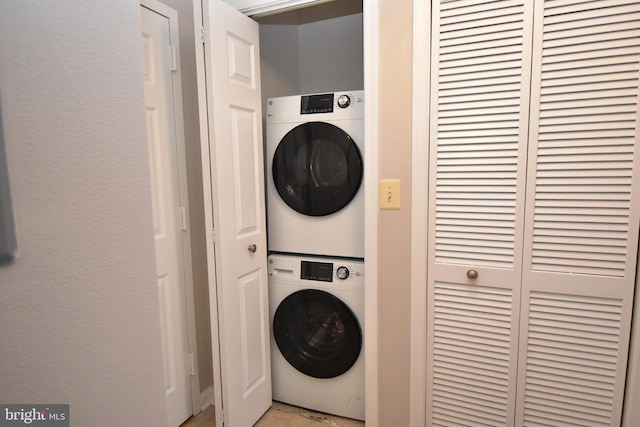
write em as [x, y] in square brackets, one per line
[342, 273]
[344, 101]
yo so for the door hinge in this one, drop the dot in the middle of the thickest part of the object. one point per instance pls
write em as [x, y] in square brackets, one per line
[222, 415]
[202, 34]
[183, 218]
[192, 364]
[174, 58]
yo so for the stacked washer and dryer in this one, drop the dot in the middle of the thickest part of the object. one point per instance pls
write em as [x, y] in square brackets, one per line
[315, 218]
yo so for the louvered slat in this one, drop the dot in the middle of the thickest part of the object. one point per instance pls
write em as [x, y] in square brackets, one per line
[571, 359]
[586, 136]
[471, 355]
[478, 131]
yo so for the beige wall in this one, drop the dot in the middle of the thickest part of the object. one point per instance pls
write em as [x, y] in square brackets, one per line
[79, 307]
[194, 182]
[394, 227]
[279, 61]
[331, 55]
[317, 56]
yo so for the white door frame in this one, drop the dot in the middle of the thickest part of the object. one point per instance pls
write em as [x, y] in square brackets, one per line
[371, 55]
[630, 410]
[371, 47]
[419, 209]
[172, 16]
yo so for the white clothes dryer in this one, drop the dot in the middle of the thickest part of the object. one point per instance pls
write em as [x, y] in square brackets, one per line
[316, 308]
[314, 156]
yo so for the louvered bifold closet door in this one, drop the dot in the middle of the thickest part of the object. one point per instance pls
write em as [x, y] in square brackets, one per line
[478, 131]
[582, 213]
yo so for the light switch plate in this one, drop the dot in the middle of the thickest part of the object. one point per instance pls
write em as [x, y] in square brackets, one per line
[389, 194]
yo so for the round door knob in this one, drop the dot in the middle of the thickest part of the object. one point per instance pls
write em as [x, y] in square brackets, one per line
[472, 274]
[253, 249]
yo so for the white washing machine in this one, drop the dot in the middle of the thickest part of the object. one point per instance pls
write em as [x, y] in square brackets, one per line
[314, 164]
[316, 308]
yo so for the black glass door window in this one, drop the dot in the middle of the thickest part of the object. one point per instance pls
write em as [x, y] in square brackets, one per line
[317, 333]
[317, 169]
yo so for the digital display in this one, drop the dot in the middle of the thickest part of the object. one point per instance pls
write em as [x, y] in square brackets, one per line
[313, 104]
[318, 271]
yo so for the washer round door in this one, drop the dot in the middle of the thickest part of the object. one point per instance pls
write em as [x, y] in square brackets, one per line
[317, 333]
[317, 168]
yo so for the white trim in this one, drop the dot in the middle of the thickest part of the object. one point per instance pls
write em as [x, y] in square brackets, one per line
[419, 186]
[172, 16]
[371, 48]
[206, 398]
[631, 410]
[267, 7]
[208, 209]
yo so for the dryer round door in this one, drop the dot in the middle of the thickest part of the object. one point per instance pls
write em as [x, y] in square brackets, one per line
[317, 168]
[317, 333]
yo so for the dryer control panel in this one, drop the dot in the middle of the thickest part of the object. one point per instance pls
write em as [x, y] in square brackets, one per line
[313, 104]
[345, 105]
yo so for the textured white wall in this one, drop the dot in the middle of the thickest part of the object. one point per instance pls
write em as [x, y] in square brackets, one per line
[79, 308]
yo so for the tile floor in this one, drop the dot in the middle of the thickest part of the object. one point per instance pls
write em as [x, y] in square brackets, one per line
[281, 415]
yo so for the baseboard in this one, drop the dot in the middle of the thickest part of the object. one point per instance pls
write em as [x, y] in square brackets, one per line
[206, 398]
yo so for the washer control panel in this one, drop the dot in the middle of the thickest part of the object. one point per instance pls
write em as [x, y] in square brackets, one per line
[316, 272]
[320, 271]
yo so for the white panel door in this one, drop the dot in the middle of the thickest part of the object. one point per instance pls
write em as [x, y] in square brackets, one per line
[479, 114]
[167, 213]
[237, 180]
[583, 210]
